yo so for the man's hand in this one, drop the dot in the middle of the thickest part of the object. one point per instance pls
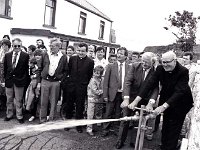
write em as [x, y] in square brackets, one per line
[3, 84]
[106, 99]
[149, 107]
[100, 92]
[159, 110]
[133, 105]
[125, 103]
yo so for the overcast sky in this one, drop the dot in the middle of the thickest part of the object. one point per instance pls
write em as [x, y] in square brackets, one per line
[139, 23]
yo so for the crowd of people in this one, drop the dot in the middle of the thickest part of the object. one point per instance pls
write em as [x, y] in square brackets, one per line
[36, 78]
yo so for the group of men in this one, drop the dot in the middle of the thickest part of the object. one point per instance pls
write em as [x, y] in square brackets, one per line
[125, 86]
[141, 85]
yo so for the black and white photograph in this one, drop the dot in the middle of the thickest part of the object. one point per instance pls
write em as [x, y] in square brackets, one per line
[99, 75]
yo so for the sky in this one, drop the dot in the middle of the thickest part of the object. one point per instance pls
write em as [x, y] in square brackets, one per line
[139, 23]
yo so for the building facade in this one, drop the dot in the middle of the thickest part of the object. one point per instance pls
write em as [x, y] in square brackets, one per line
[73, 21]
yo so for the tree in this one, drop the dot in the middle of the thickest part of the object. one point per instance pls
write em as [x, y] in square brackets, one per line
[186, 24]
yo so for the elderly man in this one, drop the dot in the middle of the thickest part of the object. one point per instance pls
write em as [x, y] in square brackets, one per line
[135, 81]
[54, 69]
[175, 98]
[16, 79]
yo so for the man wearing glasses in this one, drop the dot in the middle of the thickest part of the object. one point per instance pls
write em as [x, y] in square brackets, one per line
[175, 98]
[16, 78]
[54, 69]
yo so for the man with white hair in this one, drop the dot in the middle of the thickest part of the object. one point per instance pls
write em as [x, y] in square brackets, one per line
[54, 69]
[175, 98]
[135, 81]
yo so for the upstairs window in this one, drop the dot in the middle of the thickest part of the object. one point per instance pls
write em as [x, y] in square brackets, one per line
[5, 8]
[101, 29]
[82, 23]
[50, 11]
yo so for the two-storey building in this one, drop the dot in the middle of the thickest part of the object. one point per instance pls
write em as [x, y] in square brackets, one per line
[72, 20]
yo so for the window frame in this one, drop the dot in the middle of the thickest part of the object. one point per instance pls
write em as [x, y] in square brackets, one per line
[101, 30]
[52, 25]
[83, 16]
[7, 13]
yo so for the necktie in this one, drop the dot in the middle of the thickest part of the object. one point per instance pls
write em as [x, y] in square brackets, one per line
[14, 60]
[120, 75]
[144, 74]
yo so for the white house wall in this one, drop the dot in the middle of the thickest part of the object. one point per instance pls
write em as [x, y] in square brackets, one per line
[29, 14]
[67, 21]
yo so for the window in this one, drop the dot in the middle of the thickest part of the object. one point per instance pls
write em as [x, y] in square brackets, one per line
[101, 29]
[82, 23]
[64, 44]
[5, 8]
[50, 11]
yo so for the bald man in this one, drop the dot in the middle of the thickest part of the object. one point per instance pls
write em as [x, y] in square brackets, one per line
[175, 98]
[134, 83]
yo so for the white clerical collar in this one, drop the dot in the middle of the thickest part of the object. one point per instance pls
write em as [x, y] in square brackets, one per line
[120, 63]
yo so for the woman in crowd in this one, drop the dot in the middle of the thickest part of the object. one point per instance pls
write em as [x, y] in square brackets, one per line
[4, 48]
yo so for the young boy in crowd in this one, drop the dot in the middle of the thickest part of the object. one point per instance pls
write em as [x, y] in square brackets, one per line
[32, 93]
[94, 92]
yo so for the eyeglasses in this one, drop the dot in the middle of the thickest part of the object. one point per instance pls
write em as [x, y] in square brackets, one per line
[16, 46]
[167, 62]
[53, 46]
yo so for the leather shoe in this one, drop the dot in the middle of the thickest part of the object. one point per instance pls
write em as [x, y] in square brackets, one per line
[132, 144]
[21, 121]
[119, 145]
[7, 119]
[79, 129]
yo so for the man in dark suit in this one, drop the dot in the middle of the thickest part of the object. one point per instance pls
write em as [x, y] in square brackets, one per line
[135, 80]
[175, 98]
[16, 78]
[54, 69]
[80, 73]
[113, 87]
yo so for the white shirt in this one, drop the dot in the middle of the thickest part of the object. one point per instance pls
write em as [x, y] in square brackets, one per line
[146, 73]
[102, 62]
[123, 74]
[17, 59]
[54, 60]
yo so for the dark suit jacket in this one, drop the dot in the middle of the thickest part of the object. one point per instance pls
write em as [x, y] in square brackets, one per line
[61, 70]
[111, 81]
[175, 90]
[80, 76]
[134, 83]
[19, 75]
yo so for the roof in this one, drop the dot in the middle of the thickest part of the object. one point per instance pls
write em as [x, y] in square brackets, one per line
[89, 7]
